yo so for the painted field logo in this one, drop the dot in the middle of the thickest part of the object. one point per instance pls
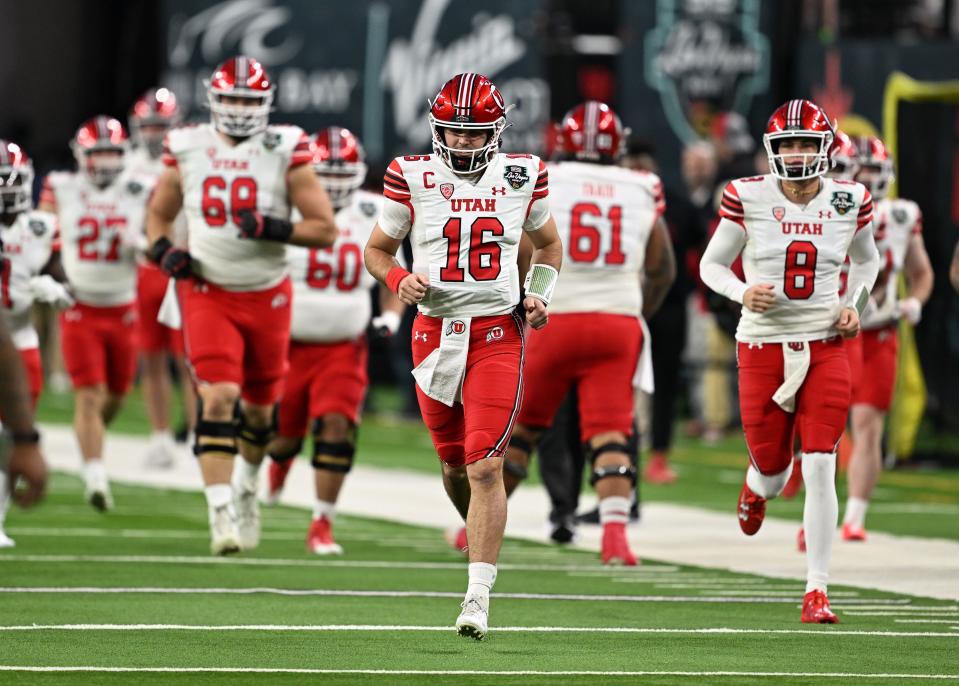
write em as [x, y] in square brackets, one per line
[842, 201]
[779, 213]
[516, 176]
[446, 189]
[456, 327]
[494, 334]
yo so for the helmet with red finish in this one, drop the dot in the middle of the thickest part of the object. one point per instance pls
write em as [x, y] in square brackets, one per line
[16, 180]
[806, 121]
[468, 104]
[152, 115]
[875, 169]
[99, 147]
[844, 157]
[340, 163]
[592, 131]
[240, 94]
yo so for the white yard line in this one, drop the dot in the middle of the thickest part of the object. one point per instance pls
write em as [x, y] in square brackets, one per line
[672, 533]
[446, 628]
[468, 672]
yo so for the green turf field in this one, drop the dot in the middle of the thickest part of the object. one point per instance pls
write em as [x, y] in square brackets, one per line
[390, 602]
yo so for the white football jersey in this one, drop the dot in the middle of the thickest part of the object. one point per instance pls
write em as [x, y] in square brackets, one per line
[219, 180]
[99, 233]
[465, 236]
[27, 246]
[331, 287]
[897, 221]
[604, 215]
[139, 163]
[799, 249]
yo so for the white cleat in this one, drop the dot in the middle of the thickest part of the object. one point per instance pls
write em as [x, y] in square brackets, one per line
[160, 455]
[247, 517]
[6, 541]
[98, 496]
[224, 538]
[473, 620]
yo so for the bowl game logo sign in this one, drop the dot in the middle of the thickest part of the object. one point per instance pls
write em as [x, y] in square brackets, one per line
[516, 176]
[705, 55]
[842, 201]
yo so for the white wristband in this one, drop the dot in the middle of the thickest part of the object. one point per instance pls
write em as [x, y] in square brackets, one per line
[540, 282]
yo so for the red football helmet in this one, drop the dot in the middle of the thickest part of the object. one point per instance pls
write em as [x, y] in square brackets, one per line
[468, 101]
[99, 147]
[844, 157]
[592, 131]
[875, 168]
[339, 162]
[16, 179]
[802, 119]
[240, 78]
[152, 115]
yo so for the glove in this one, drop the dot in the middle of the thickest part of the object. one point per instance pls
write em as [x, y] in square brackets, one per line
[386, 324]
[910, 309]
[260, 227]
[175, 262]
[46, 289]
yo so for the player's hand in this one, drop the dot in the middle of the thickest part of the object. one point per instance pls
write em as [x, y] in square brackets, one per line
[177, 263]
[46, 289]
[536, 314]
[386, 324]
[759, 298]
[910, 309]
[848, 324]
[413, 289]
[261, 227]
[28, 474]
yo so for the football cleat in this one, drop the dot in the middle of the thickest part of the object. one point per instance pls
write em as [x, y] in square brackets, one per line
[615, 548]
[247, 518]
[791, 489]
[851, 532]
[276, 477]
[658, 470]
[815, 609]
[456, 537]
[473, 620]
[319, 540]
[801, 540]
[563, 531]
[161, 454]
[6, 541]
[751, 512]
[224, 538]
[99, 497]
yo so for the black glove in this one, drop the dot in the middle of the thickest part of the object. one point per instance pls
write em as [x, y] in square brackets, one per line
[260, 227]
[174, 261]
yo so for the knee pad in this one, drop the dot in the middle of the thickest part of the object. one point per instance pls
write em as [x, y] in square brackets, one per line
[621, 470]
[217, 439]
[515, 469]
[286, 455]
[521, 444]
[333, 456]
[611, 447]
[258, 436]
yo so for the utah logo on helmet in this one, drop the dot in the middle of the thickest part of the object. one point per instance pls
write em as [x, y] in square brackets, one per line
[592, 131]
[468, 102]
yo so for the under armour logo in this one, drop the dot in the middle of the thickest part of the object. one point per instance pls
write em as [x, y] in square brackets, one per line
[279, 300]
[417, 336]
[825, 214]
[499, 190]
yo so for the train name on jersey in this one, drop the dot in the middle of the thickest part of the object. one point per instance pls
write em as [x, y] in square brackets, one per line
[802, 229]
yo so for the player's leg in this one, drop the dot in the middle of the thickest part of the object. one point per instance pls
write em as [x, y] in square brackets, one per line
[154, 373]
[668, 331]
[823, 406]
[768, 430]
[560, 468]
[256, 428]
[292, 418]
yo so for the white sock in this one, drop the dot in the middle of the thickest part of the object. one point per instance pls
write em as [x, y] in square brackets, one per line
[614, 509]
[767, 485]
[218, 495]
[4, 496]
[856, 511]
[820, 516]
[482, 575]
[164, 437]
[321, 509]
[244, 474]
[94, 473]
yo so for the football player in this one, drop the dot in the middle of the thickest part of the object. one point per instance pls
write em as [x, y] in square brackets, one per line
[794, 228]
[28, 261]
[465, 209]
[151, 117]
[237, 179]
[898, 231]
[618, 267]
[100, 212]
[326, 382]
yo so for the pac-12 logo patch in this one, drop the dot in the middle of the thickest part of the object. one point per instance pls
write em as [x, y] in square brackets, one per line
[842, 201]
[779, 213]
[446, 189]
[516, 176]
[456, 326]
[494, 334]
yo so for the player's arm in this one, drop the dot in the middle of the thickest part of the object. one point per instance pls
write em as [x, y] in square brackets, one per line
[50, 285]
[380, 258]
[317, 229]
[659, 270]
[165, 203]
[920, 278]
[387, 322]
[524, 257]
[714, 269]
[864, 263]
[54, 267]
[545, 263]
[954, 269]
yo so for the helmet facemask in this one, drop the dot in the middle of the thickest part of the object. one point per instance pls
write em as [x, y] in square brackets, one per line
[811, 166]
[876, 175]
[100, 169]
[340, 180]
[16, 188]
[149, 134]
[240, 120]
[466, 161]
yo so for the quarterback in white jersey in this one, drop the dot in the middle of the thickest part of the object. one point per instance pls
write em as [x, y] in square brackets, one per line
[899, 238]
[100, 213]
[237, 179]
[794, 228]
[327, 380]
[609, 220]
[465, 210]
